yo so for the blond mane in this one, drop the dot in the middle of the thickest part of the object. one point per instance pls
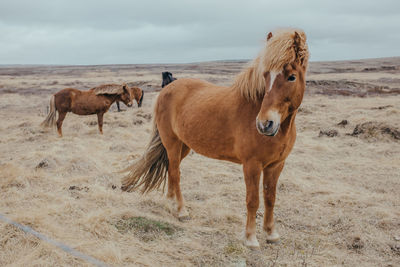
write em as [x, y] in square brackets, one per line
[284, 47]
[109, 89]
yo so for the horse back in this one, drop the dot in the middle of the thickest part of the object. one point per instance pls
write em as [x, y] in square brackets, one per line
[185, 96]
[186, 89]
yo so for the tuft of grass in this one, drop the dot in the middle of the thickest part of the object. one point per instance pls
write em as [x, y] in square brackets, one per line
[147, 229]
[233, 248]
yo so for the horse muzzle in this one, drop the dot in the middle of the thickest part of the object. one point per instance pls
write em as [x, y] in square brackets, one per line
[268, 128]
[129, 105]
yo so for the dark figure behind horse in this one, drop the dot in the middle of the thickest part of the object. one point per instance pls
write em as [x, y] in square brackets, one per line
[167, 78]
[94, 101]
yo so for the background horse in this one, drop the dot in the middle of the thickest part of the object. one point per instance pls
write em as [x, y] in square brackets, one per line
[138, 93]
[167, 78]
[251, 123]
[94, 101]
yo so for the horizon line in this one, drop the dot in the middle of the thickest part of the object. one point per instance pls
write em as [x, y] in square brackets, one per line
[187, 63]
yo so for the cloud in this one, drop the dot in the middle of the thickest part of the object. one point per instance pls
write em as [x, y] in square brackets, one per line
[111, 32]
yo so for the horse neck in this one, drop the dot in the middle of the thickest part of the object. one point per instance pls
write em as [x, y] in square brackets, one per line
[112, 98]
[289, 123]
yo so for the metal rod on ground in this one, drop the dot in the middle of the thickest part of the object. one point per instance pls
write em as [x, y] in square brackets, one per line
[62, 246]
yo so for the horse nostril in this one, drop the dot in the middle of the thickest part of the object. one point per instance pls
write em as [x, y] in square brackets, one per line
[269, 125]
[265, 127]
[269, 128]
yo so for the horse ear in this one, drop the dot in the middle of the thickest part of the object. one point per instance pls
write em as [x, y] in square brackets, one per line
[125, 87]
[269, 36]
[296, 43]
[297, 39]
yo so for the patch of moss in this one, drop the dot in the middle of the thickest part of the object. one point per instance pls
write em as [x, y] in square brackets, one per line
[146, 226]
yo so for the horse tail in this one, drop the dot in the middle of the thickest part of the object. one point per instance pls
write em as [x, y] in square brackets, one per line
[51, 117]
[151, 169]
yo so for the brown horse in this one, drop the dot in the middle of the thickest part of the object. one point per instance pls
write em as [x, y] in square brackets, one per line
[94, 101]
[136, 92]
[250, 123]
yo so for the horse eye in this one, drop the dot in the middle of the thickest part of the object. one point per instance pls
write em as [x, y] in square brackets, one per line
[292, 78]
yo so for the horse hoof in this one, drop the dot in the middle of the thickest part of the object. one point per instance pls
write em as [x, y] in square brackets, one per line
[171, 197]
[183, 215]
[251, 241]
[273, 237]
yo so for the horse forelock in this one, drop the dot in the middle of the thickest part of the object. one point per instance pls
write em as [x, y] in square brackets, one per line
[284, 47]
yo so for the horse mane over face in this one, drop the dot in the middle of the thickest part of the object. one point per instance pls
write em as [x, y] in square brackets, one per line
[282, 47]
[110, 89]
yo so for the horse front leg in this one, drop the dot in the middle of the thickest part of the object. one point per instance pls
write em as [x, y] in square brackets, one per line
[270, 179]
[252, 173]
[100, 121]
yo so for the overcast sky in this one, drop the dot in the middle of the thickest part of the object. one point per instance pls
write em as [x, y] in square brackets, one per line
[180, 31]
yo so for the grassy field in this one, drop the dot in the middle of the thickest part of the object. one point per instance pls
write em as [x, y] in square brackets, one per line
[338, 200]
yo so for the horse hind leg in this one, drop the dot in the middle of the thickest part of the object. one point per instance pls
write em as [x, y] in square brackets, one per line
[172, 186]
[61, 117]
[100, 122]
[176, 152]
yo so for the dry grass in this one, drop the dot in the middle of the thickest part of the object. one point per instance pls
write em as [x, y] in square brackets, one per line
[337, 202]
